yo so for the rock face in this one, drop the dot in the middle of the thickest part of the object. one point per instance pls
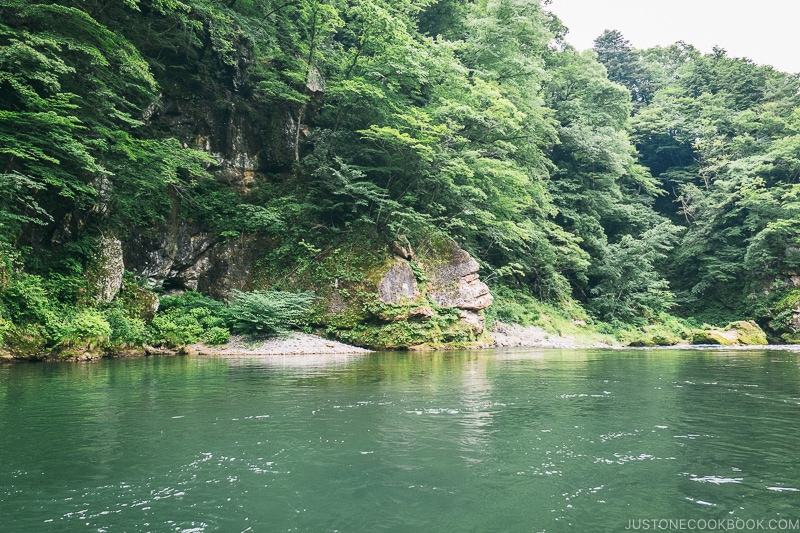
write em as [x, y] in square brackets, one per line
[444, 276]
[398, 284]
[245, 142]
[173, 257]
[180, 256]
[111, 268]
[456, 283]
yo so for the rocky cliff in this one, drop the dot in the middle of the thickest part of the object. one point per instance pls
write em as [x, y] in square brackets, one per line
[379, 295]
[399, 298]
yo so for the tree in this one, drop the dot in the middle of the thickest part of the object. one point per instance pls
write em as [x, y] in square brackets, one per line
[70, 97]
[631, 289]
[624, 65]
[718, 136]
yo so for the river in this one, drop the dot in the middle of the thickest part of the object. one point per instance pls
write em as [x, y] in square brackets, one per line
[522, 440]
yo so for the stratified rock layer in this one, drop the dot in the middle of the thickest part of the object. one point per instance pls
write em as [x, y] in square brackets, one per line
[450, 280]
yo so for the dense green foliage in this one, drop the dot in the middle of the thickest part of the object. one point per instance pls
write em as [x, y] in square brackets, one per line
[629, 183]
[720, 136]
[267, 312]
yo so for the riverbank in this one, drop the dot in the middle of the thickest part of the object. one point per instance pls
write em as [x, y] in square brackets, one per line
[515, 335]
[295, 343]
[298, 343]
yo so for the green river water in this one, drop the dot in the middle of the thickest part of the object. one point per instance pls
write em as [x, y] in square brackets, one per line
[517, 440]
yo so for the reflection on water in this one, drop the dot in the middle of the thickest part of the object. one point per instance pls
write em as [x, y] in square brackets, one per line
[515, 440]
[316, 361]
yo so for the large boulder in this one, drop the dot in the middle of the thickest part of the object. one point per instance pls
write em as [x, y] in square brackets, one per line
[456, 283]
[739, 333]
[432, 297]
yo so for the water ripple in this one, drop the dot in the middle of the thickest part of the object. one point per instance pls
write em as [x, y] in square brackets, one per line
[716, 480]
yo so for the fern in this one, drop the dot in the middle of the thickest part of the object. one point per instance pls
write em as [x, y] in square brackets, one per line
[267, 312]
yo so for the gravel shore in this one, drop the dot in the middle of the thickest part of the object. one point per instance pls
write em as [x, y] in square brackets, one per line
[514, 335]
[295, 343]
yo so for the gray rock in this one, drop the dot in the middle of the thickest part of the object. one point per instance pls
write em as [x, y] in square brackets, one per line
[336, 303]
[398, 284]
[458, 264]
[180, 256]
[473, 320]
[421, 313]
[229, 265]
[795, 321]
[403, 249]
[315, 82]
[473, 295]
[172, 257]
[111, 268]
[456, 282]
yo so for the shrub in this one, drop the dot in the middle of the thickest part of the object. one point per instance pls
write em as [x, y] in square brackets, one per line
[26, 299]
[267, 312]
[513, 307]
[5, 327]
[190, 318]
[217, 335]
[88, 327]
[25, 341]
[191, 300]
[126, 330]
[665, 330]
[206, 318]
[175, 328]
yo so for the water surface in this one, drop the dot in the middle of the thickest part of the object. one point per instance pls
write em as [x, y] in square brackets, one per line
[517, 440]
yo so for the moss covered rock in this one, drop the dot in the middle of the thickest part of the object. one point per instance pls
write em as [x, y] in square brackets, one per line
[649, 340]
[749, 333]
[106, 275]
[739, 333]
[396, 297]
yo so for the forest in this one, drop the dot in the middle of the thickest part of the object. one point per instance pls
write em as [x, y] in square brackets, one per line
[645, 193]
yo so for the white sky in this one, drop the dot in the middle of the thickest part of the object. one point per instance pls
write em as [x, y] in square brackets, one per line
[766, 31]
